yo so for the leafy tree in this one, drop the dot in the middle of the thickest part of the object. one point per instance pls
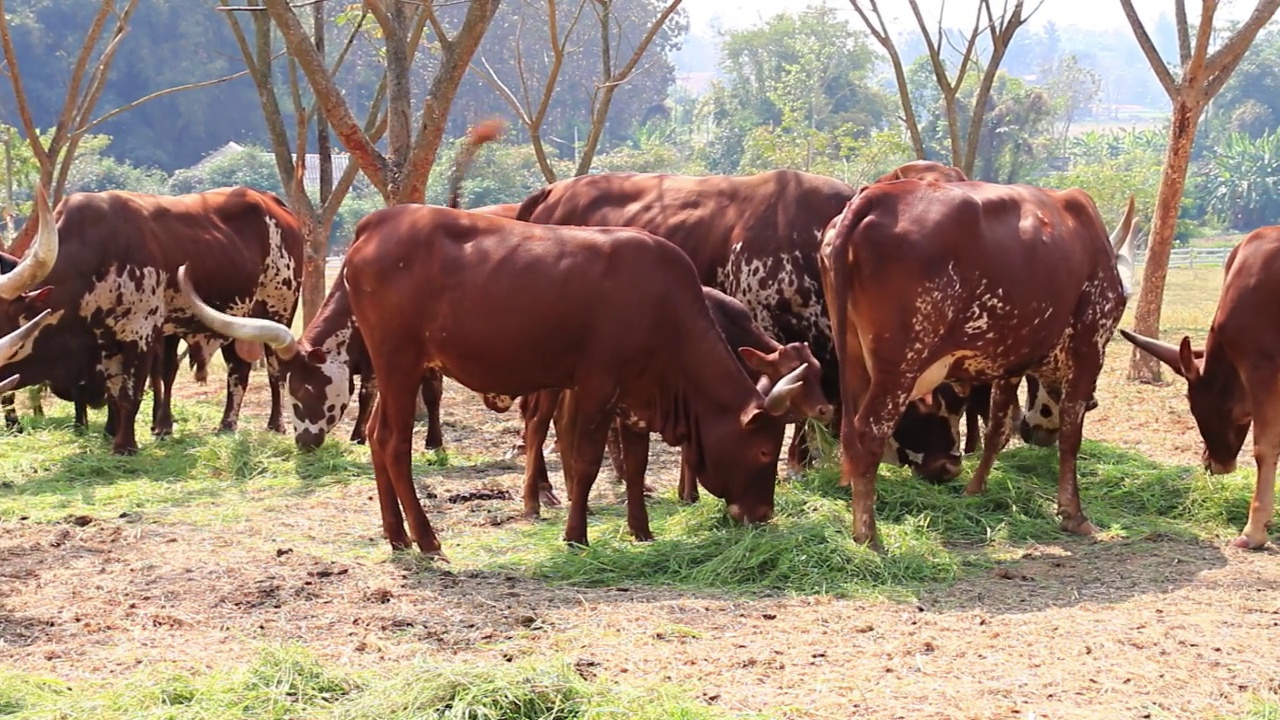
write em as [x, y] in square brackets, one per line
[1072, 89]
[1242, 185]
[1250, 101]
[1202, 76]
[250, 166]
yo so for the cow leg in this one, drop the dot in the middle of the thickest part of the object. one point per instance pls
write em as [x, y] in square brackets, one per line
[863, 441]
[432, 392]
[688, 488]
[798, 453]
[613, 444]
[1263, 385]
[364, 404]
[1070, 435]
[388, 505]
[539, 409]
[582, 448]
[635, 461]
[393, 437]
[970, 430]
[126, 397]
[11, 420]
[275, 421]
[237, 383]
[163, 374]
[1004, 395]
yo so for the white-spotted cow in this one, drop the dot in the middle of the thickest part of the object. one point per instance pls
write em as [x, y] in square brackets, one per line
[105, 264]
[968, 282]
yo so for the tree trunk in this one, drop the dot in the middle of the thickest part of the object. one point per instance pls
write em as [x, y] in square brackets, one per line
[1177, 158]
[313, 267]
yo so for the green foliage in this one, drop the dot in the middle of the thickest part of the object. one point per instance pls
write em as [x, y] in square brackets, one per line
[1241, 184]
[250, 166]
[932, 534]
[1113, 164]
[1250, 101]
[94, 171]
[501, 173]
[794, 86]
[287, 683]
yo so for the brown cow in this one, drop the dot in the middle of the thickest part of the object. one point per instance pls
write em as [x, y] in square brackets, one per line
[758, 354]
[756, 239]
[627, 323]
[1234, 382]
[924, 170]
[969, 282]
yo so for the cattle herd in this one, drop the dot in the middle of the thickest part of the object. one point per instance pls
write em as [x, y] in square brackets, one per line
[712, 311]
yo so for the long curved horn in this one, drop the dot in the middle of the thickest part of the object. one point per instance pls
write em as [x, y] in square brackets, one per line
[1121, 233]
[12, 343]
[40, 256]
[1162, 351]
[775, 403]
[9, 384]
[253, 329]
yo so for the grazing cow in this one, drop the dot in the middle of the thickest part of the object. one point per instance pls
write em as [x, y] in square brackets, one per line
[110, 284]
[627, 324]
[756, 239]
[758, 354]
[1234, 381]
[970, 282]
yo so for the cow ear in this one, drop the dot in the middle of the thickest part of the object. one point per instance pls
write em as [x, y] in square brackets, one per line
[37, 299]
[1187, 358]
[317, 356]
[756, 360]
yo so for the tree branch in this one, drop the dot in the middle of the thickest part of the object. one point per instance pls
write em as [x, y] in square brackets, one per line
[161, 93]
[1226, 57]
[1157, 63]
[883, 37]
[19, 93]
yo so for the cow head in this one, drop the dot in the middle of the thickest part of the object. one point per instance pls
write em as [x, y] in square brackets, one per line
[736, 459]
[807, 400]
[927, 438]
[19, 342]
[1218, 400]
[924, 170]
[1039, 423]
[319, 381]
[16, 294]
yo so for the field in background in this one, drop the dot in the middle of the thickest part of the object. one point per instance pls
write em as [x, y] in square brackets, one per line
[221, 576]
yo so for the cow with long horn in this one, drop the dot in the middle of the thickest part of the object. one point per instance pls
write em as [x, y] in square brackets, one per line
[1233, 382]
[104, 263]
[968, 282]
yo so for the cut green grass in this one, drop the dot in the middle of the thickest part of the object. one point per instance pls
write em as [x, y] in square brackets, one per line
[286, 683]
[931, 534]
[1259, 709]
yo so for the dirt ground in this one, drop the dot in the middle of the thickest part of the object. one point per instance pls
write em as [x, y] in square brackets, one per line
[1146, 628]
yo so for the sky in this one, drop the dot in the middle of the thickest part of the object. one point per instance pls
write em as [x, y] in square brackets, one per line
[1085, 13]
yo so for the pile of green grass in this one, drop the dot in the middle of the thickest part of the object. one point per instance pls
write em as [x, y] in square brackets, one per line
[931, 534]
[287, 683]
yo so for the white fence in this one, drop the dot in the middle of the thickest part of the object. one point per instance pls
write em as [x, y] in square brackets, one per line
[1191, 257]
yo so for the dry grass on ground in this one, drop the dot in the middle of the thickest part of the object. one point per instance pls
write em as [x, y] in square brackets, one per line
[202, 551]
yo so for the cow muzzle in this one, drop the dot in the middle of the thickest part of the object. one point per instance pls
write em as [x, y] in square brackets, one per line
[1034, 435]
[750, 515]
[941, 468]
[1213, 467]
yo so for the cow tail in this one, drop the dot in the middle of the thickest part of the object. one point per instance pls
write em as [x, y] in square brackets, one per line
[842, 260]
[476, 136]
[531, 204]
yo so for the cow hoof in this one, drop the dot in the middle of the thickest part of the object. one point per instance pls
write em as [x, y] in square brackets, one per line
[15, 428]
[125, 450]
[437, 556]
[649, 490]
[576, 544]
[277, 427]
[549, 499]
[161, 432]
[1244, 543]
[644, 537]
[227, 427]
[689, 499]
[1078, 525]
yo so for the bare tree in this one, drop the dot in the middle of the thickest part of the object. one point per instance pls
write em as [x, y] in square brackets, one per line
[999, 31]
[1203, 75]
[316, 217]
[55, 153]
[531, 104]
[401, 174]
